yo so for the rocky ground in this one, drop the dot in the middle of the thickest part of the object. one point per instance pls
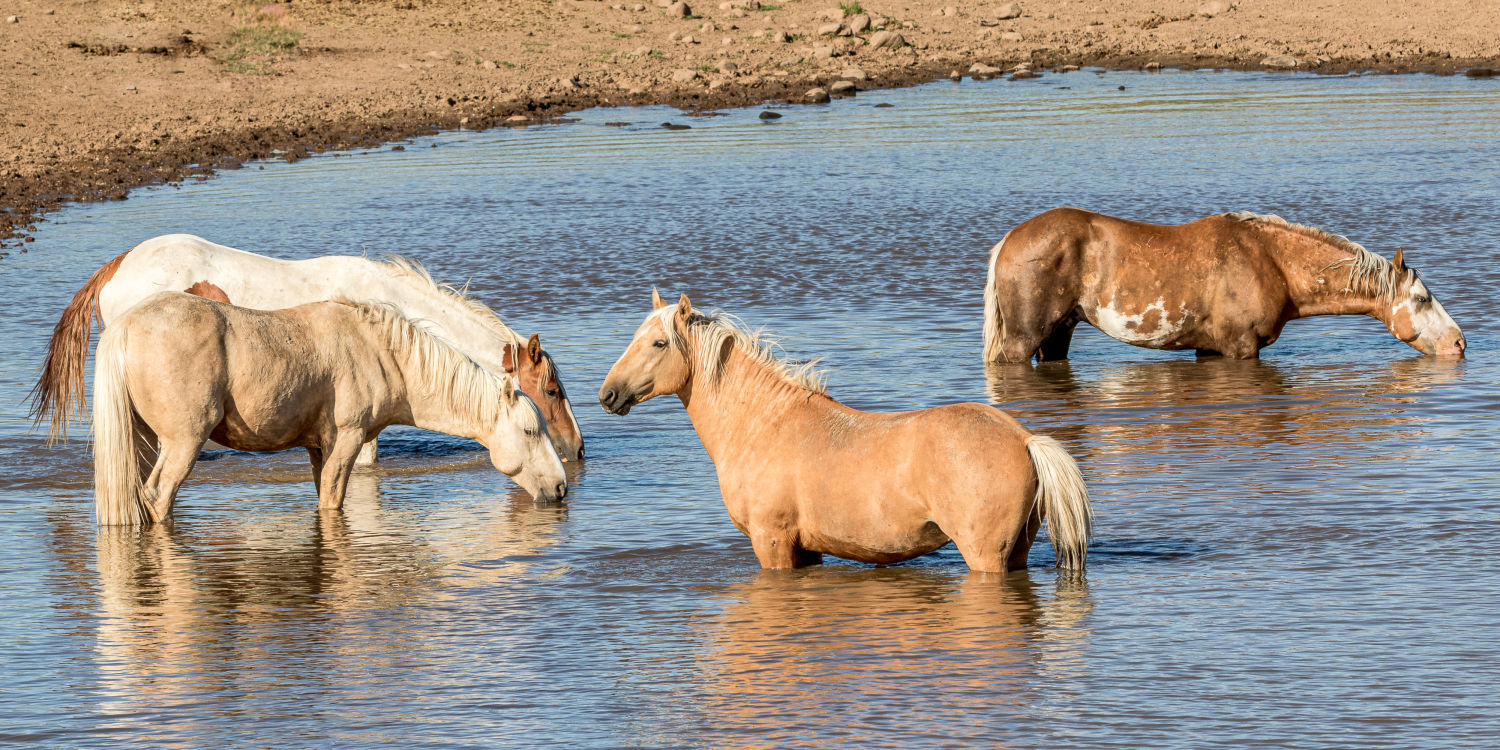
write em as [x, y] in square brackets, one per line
[100, 96]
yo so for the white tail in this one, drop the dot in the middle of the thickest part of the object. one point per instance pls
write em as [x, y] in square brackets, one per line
[1064, 500]
[117, 481]
[994, 320]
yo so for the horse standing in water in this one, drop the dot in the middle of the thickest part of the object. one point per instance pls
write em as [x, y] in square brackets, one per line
[181, 262]
[177, 369]
[803, 475]
[1224, 284]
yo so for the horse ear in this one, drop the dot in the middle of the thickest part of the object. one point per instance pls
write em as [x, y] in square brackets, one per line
[1399, 261]
[508, 358]
[534, 348]
[657, 302]
[508, 390]
[684, 306]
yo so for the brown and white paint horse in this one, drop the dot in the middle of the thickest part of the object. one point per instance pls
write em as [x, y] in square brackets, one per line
[803, 475]
[1224, 284]
[172, 262]
[177, 369]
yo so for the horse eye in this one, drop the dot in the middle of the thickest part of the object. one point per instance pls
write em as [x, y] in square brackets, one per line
[531, 432]
[551, 392]
[1423, 299]
[660, 344]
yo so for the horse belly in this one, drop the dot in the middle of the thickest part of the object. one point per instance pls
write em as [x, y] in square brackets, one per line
[865, 528]
[1157, 324]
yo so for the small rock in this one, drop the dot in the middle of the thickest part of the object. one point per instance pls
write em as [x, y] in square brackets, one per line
[638, 7]
[725, 6]
[637, 29]
[1068, 68]
[982, 72]
[690, 40]
[1022, 75]
[727, 66]
[822, 53]
[568, 83]
[883, 105]
[1481, 72]
[517, 120]
[949, 11]
[641, 51]
[683, 75]
[12, 19]
[859, 23]
[1011, 36]
[887, 39]
[616, 124]
[488, 65]
[1008, 11]
[726, 41]
[675, 126]
[1280, 62]
[1153, 66]
[738, 13]
[830, 29]
[1213, 8]
[769, 115]
[816, 96]
[956, 74]
[780, 36]
[679, 10]
[842, 88]
[854, 74]
[708, 26]
[675, 36]
[462, 121]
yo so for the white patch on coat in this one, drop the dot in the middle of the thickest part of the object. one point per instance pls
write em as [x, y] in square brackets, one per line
[1126, 327]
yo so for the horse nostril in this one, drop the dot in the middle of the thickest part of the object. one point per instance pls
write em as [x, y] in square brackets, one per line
[561, 489]
[607, 397]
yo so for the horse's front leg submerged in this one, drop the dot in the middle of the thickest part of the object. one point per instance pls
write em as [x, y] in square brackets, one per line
[338, 458]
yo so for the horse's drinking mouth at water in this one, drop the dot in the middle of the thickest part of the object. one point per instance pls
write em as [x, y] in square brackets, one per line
[1224, 284]
[803, 475]
[177, 369]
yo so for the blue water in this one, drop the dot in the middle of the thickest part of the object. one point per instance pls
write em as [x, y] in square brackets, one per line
[1293, 552]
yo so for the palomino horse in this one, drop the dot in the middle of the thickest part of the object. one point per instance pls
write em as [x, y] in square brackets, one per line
[180, 262]
[177, 369]
[1224, 284]
[803, 475]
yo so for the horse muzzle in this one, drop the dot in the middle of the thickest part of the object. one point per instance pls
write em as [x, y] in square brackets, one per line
[617, 401]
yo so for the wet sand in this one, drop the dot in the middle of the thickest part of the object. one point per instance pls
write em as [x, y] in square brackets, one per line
[103, 97]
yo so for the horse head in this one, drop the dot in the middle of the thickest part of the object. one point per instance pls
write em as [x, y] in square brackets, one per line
[521, 448]
[534, 369]
[655, 362]
[1415, 316]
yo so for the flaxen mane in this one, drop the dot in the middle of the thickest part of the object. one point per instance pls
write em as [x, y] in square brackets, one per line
[1367, 270]
[443, 372]
[713, 329]
[414, 274]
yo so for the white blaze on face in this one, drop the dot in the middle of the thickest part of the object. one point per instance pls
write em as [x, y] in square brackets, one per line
[1134, 329]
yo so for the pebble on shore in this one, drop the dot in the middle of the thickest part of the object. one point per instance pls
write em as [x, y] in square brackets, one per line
[816, 96]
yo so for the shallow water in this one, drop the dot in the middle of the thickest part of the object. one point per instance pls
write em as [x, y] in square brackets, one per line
[1290, 552]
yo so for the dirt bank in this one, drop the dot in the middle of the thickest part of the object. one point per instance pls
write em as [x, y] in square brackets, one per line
[102, 95]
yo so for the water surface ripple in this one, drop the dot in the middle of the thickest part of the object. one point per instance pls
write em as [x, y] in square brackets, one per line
[1295, 552]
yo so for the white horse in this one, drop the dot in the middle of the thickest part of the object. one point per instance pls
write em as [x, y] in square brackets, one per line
[177, 369]
[182, 262]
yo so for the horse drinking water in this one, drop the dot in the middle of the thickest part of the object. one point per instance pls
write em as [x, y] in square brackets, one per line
[1224, 284]
[803, 475]
[177, 369]
[178, 262]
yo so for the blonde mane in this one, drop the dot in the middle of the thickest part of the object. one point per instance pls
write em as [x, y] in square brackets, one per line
[414, 275]
[711, 330]
[439, 371]
[1367, 270]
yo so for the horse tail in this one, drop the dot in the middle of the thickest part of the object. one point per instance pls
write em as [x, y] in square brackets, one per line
[1064, 499]
[117, 481]
[59, 390]
[994, 318]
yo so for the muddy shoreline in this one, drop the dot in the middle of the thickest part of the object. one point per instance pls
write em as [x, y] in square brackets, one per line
[110, 172]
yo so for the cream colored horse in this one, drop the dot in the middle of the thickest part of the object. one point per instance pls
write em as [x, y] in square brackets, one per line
[177, 369]
[803, 475]
[178, 262]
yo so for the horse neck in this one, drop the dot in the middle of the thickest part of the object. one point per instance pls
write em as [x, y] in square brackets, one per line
[432, 409]
[1304, 260]
[734, 414]
[483, 340]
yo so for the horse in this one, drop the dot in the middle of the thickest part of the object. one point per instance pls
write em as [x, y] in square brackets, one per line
[1221, 285]
[176, 261]
[803, 475]
[177, 369]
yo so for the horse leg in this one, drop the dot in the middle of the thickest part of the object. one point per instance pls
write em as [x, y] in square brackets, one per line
[985, 553]
[175, 460]
[338, 462]
[1055, 346]
[1022, 548]
[779, 550]
[368, 453]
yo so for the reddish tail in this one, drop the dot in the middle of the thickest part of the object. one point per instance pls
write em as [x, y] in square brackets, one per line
[58, 393]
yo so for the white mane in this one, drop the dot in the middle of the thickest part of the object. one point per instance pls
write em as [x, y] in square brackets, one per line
[1367, 270]
[441, 372]
[414, 275]
[710, 331]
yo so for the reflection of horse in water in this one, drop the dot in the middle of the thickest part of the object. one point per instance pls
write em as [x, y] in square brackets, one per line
[236, 601]
[834, 653]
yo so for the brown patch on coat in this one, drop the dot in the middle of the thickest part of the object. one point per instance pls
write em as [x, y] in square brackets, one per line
[59, 389]
[207, 290]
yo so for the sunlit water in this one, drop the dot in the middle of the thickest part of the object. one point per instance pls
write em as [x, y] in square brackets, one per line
[1293, 552]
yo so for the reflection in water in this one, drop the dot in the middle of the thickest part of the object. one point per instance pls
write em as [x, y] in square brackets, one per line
[838, 653]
